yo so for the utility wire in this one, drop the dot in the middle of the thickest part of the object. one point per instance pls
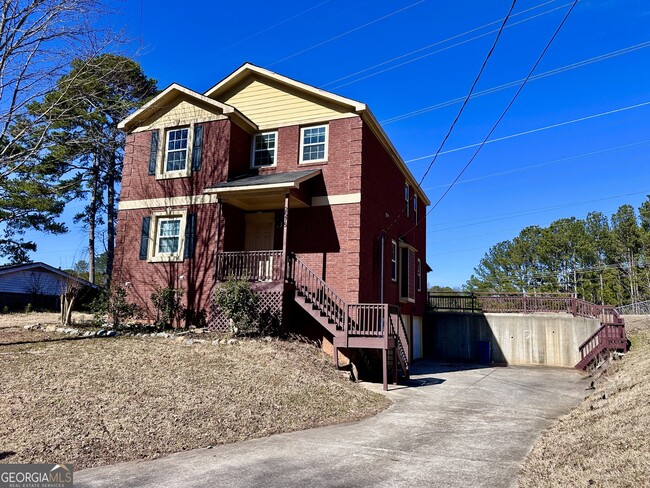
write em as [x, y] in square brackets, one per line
[462, 108]
[383, 63]
[488, 91]
[532, 131]
[542, 164]
[399, 65]
[326, 41]
[512, 215]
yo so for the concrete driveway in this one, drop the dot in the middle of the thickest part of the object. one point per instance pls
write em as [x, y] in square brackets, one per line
[454, 426]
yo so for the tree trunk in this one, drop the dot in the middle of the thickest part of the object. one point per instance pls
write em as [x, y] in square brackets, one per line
[92, 217]
[110, 221]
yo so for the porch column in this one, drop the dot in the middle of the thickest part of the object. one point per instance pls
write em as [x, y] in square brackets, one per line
[285, 225]
[217, 241]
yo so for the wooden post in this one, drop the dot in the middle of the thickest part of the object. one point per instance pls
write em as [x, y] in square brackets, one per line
[218, 240]
[285, 225]
[384, 354]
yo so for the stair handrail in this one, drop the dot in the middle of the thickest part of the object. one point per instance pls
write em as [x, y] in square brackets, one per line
[302, 276]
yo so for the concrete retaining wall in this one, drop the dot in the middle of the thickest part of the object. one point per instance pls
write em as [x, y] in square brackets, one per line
[521, 339]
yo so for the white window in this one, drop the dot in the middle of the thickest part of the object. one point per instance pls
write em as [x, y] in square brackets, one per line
[407, 273]
[176, 146]
[393, 260]
[406, 199]
[419, 274]
[167, 235]
[415, 208]
[265, 146]
[313, 144]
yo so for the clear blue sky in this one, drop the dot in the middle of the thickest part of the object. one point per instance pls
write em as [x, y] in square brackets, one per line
[402, 56]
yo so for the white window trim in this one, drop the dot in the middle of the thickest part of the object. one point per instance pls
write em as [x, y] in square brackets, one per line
[161, 165]
[407, 199]
[275, 155]
[415, 207]
[419, 274]
[394, 262]
[403, 245]
[153, 255]
[302, 144]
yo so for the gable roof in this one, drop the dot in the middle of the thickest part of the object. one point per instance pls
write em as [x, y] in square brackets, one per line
[171, 93]
[14, 268]
[247, 70]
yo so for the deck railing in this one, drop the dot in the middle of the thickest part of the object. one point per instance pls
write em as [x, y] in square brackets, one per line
[514, 303]
[251, 265]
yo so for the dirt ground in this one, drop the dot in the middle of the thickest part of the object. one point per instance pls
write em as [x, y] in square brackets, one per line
[12, 326]
[96, 401]
[606, 441]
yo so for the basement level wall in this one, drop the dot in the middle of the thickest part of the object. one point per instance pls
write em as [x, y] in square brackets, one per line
[515, 339]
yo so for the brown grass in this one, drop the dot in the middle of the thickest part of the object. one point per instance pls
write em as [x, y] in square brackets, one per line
[99, 401]
[606, 441]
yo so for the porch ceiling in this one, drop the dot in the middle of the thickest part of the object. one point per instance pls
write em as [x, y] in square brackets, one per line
[264, 192]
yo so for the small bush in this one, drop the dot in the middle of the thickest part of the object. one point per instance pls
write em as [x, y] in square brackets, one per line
[238, 302]
[112, 302]
[29, 308]
[169, 308]
[4, 310]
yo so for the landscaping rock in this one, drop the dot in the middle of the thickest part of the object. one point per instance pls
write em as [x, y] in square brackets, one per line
[162, 334]
[188, 342]
[50, 328]
[60, 330]
[111, 333]
[73, 332]
[200, 341]
[232, 342]
[179, 339]
[268, 338]
[215, 342]
[101, 333]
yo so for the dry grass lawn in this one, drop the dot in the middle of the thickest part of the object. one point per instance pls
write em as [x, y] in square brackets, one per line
[104, 400]
[606, 441]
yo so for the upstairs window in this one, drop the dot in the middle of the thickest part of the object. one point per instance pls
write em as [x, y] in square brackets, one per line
[415, 208]
[419, 274]
[313, 144]
[265, 147]
[407, 199]
[176, 150]
[393, 260]
[169, 236]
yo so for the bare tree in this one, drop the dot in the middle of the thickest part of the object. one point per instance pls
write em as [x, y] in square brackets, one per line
[38, 40]
[70, 290]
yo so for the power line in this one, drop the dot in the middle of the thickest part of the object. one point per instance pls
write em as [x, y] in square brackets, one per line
[460, 111]
[488, 91]
[512, 215]
[443, 49]
[532, 131]
[542, 164]
[435, 44]
[326, 41]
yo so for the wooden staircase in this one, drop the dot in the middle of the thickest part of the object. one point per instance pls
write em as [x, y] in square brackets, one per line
[610, 337]
[352, 325]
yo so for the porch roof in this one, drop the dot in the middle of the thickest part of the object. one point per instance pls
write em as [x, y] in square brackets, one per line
[259, 192]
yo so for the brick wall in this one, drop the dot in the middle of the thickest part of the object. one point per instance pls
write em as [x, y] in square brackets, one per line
[382, 208]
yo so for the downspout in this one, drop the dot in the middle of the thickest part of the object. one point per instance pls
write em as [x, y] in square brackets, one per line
[382, 240]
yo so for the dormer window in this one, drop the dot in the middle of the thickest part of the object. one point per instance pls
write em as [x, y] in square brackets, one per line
[265, 147]
[176, 150]
[313, 144]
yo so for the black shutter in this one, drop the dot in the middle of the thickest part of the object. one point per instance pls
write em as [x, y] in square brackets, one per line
[144, 237]
[190, 236]
[153, 153]
[197, 149]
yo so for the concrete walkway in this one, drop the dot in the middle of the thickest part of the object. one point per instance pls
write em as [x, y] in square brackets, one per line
[452, 427]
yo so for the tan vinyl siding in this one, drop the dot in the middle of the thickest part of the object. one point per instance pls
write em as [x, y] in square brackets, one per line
[270, 106]
[180, 112]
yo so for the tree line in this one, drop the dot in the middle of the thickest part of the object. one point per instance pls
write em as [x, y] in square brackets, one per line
[62, 94]
[600, 259]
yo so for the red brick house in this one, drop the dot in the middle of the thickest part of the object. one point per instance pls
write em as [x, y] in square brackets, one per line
[293, 188]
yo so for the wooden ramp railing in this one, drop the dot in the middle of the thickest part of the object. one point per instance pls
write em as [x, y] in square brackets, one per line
[609, 337]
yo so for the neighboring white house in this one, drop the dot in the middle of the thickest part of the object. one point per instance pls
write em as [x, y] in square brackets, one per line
[36, 283]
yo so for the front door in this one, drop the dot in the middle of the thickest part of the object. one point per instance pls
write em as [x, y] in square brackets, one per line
[260, 228]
